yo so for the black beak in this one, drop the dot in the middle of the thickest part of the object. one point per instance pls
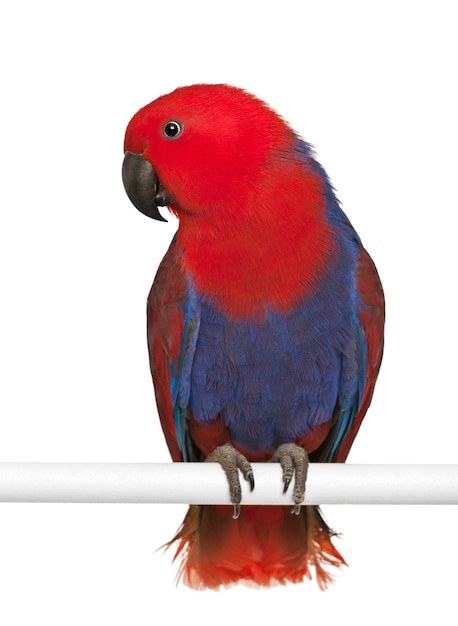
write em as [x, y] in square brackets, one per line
[143, 187]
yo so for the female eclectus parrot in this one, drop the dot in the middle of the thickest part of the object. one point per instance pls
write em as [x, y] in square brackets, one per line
[265, 322]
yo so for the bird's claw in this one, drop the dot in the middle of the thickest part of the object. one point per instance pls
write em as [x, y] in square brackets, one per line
[231, 460]
[294, 461]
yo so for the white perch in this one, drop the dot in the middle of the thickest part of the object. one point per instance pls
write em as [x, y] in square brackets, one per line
[205, 483]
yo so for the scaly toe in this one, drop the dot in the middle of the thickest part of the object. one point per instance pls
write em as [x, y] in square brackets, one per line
[294, 461]
[231, 460]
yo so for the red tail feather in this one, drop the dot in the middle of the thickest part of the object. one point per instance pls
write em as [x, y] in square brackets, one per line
[265, 546]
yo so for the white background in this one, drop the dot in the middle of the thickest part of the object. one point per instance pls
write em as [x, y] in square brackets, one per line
[373, 87]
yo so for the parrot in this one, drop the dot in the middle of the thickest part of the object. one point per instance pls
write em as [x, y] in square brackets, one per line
[265, 324]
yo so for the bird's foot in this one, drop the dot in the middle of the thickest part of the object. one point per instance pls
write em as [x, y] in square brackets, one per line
[231, 460]
[295, 462]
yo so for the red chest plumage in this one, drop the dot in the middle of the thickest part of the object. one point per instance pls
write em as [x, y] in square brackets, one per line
[271, 255]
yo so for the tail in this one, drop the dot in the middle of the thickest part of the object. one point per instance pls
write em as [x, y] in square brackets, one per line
[265, 546]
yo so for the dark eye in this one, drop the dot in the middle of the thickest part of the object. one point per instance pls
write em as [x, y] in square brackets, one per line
[172, 129]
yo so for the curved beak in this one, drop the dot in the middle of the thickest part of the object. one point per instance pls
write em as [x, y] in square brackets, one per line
[143, 187]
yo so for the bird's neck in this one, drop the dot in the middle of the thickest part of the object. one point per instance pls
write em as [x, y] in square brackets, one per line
[270, 256]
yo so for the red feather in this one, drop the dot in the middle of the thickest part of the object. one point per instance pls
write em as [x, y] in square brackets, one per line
[265, 546]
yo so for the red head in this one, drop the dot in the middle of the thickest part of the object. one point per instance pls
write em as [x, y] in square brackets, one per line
[227, 164]
[208, 144]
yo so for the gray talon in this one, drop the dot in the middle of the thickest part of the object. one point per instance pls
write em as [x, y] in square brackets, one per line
[231, 460]
[294, 461]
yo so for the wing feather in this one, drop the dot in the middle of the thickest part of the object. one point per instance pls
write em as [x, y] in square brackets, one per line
[172, 327]
[368, 351]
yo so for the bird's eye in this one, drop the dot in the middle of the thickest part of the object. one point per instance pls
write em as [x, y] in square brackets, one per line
[172, 129]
